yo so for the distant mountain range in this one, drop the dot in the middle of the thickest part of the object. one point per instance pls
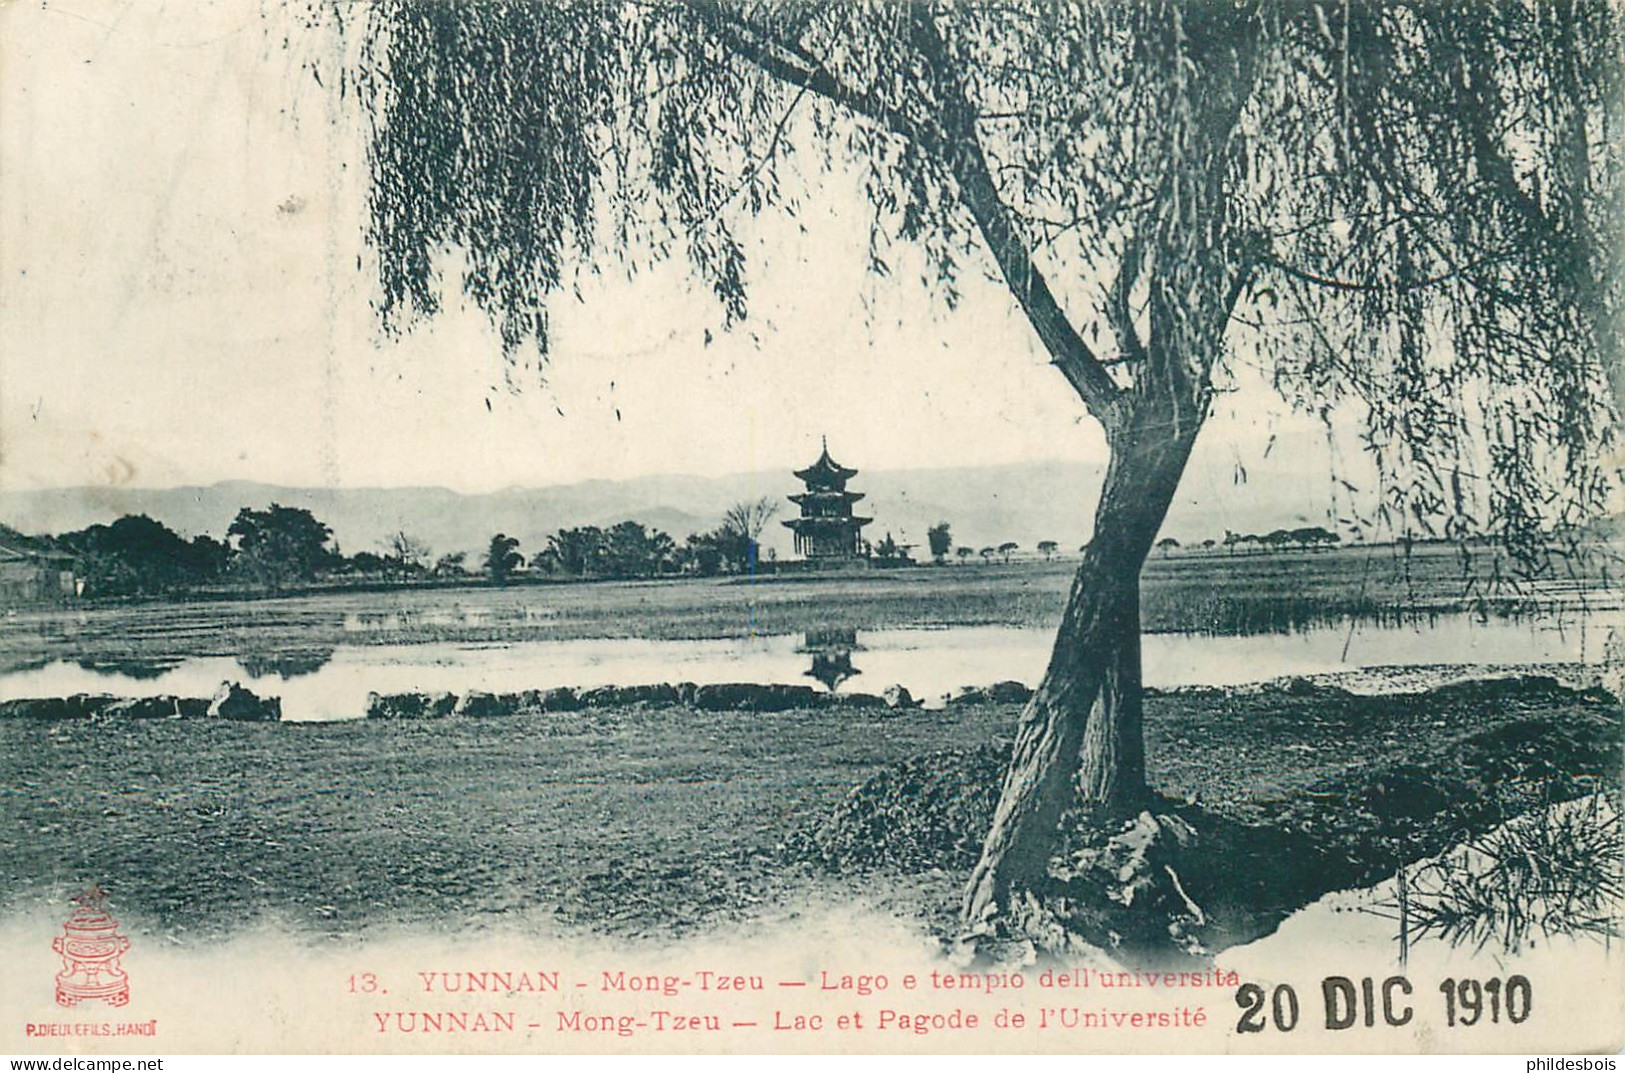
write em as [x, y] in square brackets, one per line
[1026, 503]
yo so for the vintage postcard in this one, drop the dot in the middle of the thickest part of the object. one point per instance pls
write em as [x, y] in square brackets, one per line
[623, 527]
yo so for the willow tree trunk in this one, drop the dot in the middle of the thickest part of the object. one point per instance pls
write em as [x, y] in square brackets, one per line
[1081, 738]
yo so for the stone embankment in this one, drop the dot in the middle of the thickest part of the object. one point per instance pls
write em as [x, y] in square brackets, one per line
[719, 697]
[237, 703]
[231, 702]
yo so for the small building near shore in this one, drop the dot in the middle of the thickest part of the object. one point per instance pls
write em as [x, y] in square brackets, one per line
[827, 533]
[32, 573]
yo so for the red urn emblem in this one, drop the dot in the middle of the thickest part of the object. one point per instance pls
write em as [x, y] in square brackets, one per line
[90, 945]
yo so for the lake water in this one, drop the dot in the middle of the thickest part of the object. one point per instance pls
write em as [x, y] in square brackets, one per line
[1356, 931]
[929, 662]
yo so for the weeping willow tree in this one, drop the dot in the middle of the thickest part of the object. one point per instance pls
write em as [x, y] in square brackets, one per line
[1404, 211]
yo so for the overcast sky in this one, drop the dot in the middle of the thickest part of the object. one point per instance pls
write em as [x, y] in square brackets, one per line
[181, 304]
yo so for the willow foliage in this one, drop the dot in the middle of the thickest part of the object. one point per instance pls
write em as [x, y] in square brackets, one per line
[1408, 208]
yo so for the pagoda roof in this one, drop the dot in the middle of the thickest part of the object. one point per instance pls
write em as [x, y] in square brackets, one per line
[825, 470]
[813, 497]
[814, 521]
[831, 673]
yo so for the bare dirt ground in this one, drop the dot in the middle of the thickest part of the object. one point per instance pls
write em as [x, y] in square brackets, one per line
[673, 821]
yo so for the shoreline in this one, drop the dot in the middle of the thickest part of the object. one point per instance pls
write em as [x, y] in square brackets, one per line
[755, 696]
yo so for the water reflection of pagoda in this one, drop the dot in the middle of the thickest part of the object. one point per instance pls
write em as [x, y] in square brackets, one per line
[831, 652]
[827, 530]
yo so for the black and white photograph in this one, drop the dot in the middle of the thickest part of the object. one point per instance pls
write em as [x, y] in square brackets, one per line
[869, 526]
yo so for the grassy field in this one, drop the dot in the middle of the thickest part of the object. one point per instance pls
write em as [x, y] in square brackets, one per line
[635, 821]
[1212, 593]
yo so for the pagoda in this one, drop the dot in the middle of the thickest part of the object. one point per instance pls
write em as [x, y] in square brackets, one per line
[827, 531]
[831, 652]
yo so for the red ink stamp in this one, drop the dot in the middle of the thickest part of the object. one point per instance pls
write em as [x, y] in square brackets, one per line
[91, 946]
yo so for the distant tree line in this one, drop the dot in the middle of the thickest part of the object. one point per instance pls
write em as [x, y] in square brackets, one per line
[1307, 537]
[275, 548]
[624, 550]
[136, 554]
[1311, 536]
[282, 547]
[630, 550]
